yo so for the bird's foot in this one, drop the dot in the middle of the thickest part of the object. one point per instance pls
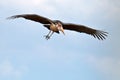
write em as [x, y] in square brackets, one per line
[47, 37]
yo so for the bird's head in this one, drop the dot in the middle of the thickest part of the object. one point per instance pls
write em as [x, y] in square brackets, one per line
[60, 27]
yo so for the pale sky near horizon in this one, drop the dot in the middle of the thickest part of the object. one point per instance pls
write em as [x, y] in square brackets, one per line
[26, 55]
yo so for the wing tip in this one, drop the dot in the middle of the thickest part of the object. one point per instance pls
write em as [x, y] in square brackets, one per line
[13, 17]
[101, 35]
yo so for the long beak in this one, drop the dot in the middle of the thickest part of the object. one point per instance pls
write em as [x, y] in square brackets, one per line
[62, 30]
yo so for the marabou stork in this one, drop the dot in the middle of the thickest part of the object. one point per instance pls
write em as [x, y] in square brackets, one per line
[56, 26]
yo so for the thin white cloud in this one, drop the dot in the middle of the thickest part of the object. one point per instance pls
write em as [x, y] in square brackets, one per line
[84, 7]
[7, 69]
[22, 3]
[28, 5]
[110, 67]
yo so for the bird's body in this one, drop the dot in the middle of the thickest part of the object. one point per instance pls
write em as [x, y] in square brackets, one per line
[53, 27]
[56, 26]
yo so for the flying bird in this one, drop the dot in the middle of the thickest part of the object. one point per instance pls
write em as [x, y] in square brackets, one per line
[57, 25]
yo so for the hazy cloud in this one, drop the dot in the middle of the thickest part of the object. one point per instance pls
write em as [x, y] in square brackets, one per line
[108, 66]
[78, 7]
[7, 69]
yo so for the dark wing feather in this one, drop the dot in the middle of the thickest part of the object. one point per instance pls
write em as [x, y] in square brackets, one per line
[83, 29]
[33, 17]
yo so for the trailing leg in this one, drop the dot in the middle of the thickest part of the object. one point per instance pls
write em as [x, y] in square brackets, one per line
[48, 35]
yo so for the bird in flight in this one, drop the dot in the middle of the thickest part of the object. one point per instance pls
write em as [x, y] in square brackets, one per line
[57, 25]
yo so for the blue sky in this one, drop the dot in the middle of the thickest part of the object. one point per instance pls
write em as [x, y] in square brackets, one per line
[26, 55]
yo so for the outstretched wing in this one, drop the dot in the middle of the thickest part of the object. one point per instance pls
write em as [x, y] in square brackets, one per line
[83, 29]
[33, 17]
